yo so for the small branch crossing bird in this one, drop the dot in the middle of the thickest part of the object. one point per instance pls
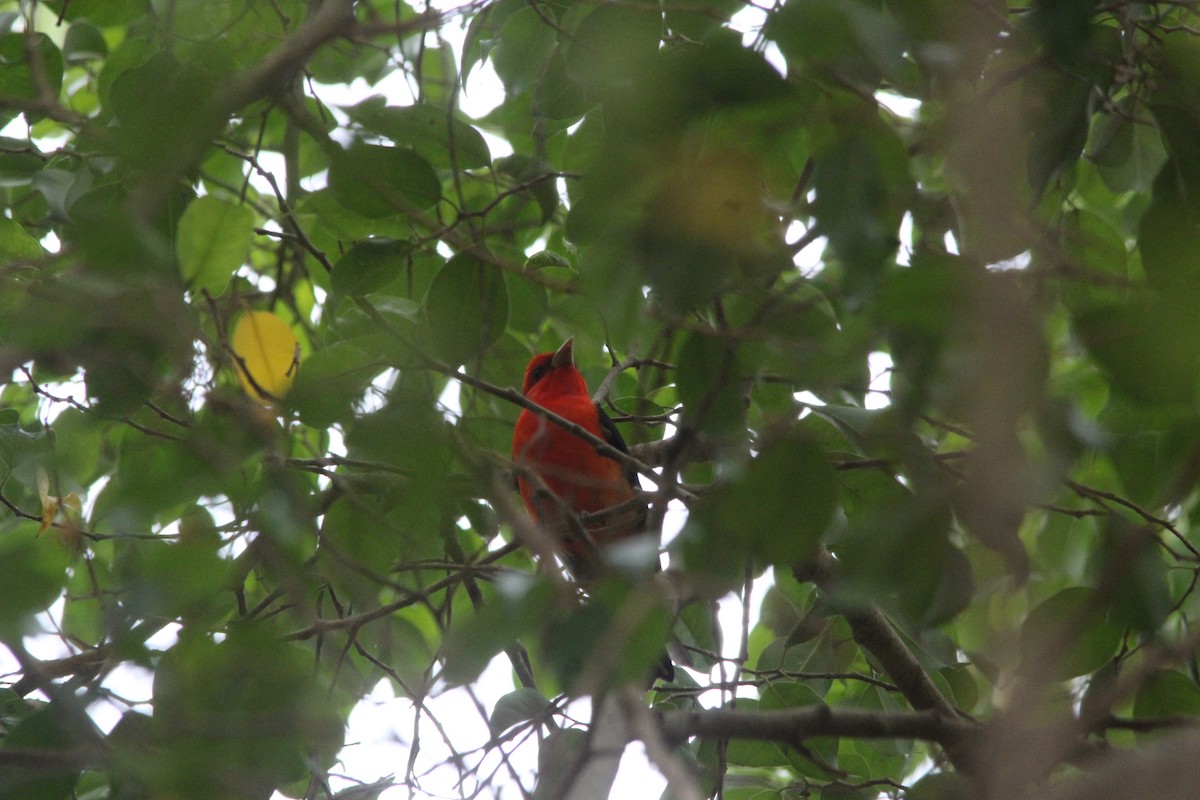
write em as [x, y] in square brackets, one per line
[587, 499]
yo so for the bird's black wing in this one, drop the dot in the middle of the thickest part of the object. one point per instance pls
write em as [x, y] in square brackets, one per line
[610, 434]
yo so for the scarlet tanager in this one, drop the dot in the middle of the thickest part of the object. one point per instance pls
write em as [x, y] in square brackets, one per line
[560, 474]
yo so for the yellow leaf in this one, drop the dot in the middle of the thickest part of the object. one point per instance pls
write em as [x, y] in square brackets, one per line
[49, 504]
[43, 485]
[267, 355]
[49, 512]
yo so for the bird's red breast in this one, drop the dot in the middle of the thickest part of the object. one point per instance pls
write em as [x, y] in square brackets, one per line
[580, 479]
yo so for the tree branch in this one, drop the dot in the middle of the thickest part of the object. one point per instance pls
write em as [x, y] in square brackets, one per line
[793, 726]
[876, 635]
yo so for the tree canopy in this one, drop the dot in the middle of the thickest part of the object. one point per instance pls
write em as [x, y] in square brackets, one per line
[894, 300]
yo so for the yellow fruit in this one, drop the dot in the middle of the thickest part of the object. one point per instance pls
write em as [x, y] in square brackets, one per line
[267, 355]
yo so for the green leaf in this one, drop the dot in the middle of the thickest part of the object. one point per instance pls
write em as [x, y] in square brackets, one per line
[159, 99]
[101, 12]
[1169, 234]
[365, 791]
[50, 731]
[852, 40]
[699, 21]
[213, 240]
[546, 258]
[16, 244]
[330, 381]
[963, 687]
[1166, 693]
[1068, 635]
[1127, 154]
[515, 707]
[1094, 245]
[184, 580]
[370, 265]
[559, 761]
[17, 76]
[84, 43]
[434, 134]
[942, 786]
[35, 567]
[1137, 575]
[77, 446]
[19, 163]
[1148, 346]
[1060, 131]
[524, 44]
[611, 44]
[467, 308]
[709, 382]
[378, 181]
[697, 627]
[208, 694]
[760, 516]
[523, 603]
[859, 179]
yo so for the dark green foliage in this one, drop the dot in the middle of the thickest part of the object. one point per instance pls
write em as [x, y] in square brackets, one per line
[968, 419]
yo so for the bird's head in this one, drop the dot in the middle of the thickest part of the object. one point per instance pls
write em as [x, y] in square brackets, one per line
[554, 373]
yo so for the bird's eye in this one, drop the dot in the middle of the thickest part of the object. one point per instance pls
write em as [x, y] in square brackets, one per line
[538, 373]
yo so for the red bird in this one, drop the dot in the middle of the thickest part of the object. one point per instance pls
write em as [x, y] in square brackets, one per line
[582, 481]
[552, 460]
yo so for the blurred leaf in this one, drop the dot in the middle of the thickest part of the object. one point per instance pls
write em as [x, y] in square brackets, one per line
[614, 638]
[522, 603]
[858, 180]
[1169, 234]
[213, 240]
[209, 696]
[175, 580]
[1147, 347]
[697, 626]
[1095, 246]
[559, 758]
[522, 47]
[1137, 574]
[1068, 635]
[18, 78]
[942, 786]
[758, 517]
[16, 244]
[155, 87]
[1128, 155]
[51, 731]
[611, 44]
[709, 384]
[84, 43]
[853, 40]
[333, 378]
[101, 12]
[366, 791]
[35, 569]
[1060, 129]
[1166, 693]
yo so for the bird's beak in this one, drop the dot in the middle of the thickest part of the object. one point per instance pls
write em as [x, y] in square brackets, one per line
[564, 356]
